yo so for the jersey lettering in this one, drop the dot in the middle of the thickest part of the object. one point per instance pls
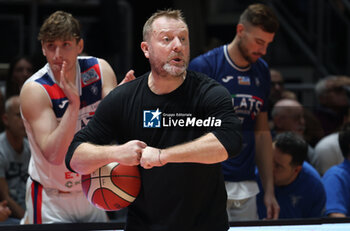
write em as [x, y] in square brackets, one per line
[70, 175]
[246, 105]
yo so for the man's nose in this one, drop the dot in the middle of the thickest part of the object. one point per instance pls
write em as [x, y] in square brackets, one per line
[177, 44]
[58, 52]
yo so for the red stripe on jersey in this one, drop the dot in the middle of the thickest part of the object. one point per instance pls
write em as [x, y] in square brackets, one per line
[54, 91]
[257, 98]
[33, 197]
[37, 202]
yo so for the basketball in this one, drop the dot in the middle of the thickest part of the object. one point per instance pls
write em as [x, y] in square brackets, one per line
[112, 187]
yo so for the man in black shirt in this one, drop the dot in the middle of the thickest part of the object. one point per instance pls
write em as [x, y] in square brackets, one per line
[178, 125]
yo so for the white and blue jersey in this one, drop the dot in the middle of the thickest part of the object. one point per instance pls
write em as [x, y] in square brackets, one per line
[249, 88]
[89, 83]
[337, 184]
[305, 197]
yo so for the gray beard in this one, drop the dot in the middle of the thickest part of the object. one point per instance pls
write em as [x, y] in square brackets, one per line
[173, 70]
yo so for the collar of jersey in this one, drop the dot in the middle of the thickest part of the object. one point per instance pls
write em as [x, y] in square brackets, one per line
[77, 78]
[230, 61]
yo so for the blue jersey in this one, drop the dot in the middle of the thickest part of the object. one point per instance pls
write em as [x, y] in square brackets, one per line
[337, 184]
[249, 88]
[305, 197]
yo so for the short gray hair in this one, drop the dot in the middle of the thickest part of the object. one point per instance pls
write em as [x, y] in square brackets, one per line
[169, 13]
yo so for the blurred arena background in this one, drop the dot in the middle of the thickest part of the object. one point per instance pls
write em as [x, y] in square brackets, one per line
[312, 42]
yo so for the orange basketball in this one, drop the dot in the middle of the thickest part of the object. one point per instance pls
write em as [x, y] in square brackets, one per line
[112, 187]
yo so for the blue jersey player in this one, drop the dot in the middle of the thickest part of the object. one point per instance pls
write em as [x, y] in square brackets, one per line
[239, 67]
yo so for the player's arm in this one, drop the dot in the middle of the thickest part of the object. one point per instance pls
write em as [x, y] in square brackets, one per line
[88, 157]
[109, 81]
[16, 209]
[336, 215]
[5, 212]
[129, 76]
[52, 137]
[264, 162]
[206, 150]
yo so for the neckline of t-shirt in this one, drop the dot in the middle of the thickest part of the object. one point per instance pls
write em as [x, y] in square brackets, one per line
[170, 93]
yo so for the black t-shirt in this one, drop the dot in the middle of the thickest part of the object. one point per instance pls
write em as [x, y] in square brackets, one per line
[176, 196]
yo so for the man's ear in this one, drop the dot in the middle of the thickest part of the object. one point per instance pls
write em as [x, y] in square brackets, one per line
[81, 45]
[5, 119]
[42, 48]
[277, 121]
[298, 168]
[239, 29]
[144, 48]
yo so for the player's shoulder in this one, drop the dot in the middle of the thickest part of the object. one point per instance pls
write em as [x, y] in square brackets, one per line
[310, 171]
[204, 82]
[34, 88]
[38, 79]
[215, 52]
[41, 77]
[131, 87]
[88, 60]
[261, 68]
[336, 172]
[211, 55]
[201, 78]
[262, 64]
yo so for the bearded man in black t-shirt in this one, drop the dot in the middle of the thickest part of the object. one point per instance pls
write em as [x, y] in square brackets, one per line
[177, 125]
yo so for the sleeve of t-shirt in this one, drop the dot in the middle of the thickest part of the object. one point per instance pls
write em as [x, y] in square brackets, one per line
[219, 105]
[335, 193]
[100, 129]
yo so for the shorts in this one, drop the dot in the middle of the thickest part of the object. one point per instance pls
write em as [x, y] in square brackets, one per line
[242, 210]
[45, 205]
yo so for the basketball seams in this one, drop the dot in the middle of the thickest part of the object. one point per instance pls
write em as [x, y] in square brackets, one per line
[97, 177]
[111, 187]
[120, 192]
[102, 191]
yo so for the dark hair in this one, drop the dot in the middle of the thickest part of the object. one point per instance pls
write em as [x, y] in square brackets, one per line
[294, 145]
[11, 87]
[262, 16]
[344, 139]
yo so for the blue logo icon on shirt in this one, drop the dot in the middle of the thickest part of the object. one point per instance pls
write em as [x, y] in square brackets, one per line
[152, 118]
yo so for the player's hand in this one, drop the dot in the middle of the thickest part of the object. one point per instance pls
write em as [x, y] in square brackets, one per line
[5, 212]
[272, 207]
[128, 77]
[69, 89]
[130, 153]
[150, 158]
